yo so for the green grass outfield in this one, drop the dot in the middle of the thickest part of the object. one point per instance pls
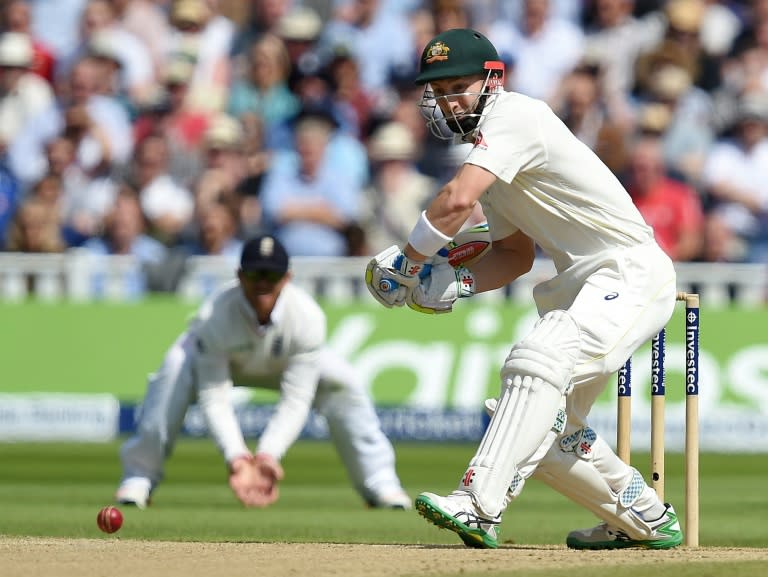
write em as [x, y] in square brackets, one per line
[57, 489]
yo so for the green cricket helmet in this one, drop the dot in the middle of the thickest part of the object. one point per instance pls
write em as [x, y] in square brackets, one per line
[457, 53]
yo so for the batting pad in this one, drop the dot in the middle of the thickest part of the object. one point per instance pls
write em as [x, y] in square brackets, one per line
[603, 484]
[535, 376]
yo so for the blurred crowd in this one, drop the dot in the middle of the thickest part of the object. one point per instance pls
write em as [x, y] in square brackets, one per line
[169, 128]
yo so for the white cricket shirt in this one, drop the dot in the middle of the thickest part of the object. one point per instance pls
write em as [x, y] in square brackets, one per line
[550, 185]
[231, 347]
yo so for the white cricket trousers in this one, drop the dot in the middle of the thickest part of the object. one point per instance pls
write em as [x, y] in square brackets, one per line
[619, 302]
[354, 427]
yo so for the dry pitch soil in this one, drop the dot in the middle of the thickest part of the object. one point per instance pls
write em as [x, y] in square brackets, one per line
[113, 557]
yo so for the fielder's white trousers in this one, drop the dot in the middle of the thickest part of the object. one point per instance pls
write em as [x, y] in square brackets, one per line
[354, 427]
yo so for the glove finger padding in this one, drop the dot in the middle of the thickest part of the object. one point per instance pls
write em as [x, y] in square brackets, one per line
[437, 292]
[384, 287]
[390, 276]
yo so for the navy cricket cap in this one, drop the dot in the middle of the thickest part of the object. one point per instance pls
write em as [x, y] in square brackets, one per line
[264, 253]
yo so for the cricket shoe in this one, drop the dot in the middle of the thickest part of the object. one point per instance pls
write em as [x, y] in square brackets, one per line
[665, 534]
[134, 491]
[457, 513]
[395, 500]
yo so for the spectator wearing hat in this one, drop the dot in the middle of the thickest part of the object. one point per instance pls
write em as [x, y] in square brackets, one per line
[109, 78]
[345, 153]
[398, 192]
[170, 113]
[681, 46]
[103, 36]
[225, 167]
[307, 201]
[687, 127]
[300, 29]
[23, 94]
[720, 26]
[148, 21]
[223, 146]
[205, 37]
[17, 17]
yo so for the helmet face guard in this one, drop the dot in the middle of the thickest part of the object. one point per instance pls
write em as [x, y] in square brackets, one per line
[445, 127]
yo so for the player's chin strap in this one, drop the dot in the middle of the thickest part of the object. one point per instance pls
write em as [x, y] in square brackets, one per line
[535, 376]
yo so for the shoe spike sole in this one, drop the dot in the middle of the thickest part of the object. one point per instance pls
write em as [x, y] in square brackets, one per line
[435, 516]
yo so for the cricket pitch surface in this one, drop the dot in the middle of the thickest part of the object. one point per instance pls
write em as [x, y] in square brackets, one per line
[113, 557]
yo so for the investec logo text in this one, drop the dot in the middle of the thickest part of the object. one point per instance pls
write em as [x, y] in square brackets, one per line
[657, 366]
[625, 385]
[692, 366]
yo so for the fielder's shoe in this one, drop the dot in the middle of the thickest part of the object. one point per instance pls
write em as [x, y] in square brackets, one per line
[395, 500]
[134, 491]
[665, 534]
[458, 513]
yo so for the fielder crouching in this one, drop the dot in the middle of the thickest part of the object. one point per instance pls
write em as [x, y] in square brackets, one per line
[261, 331]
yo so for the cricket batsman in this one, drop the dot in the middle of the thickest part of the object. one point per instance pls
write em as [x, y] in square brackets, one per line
[614, 289]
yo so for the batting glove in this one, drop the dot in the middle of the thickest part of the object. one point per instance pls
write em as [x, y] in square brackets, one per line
[390, 276]
[437, 292]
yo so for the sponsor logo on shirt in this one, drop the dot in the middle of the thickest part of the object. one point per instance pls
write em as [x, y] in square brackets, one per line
[480, 141]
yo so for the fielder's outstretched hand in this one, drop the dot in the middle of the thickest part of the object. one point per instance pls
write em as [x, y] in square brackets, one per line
[254, 479]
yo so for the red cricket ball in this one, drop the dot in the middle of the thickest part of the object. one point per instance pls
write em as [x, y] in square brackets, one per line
[109, 519]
